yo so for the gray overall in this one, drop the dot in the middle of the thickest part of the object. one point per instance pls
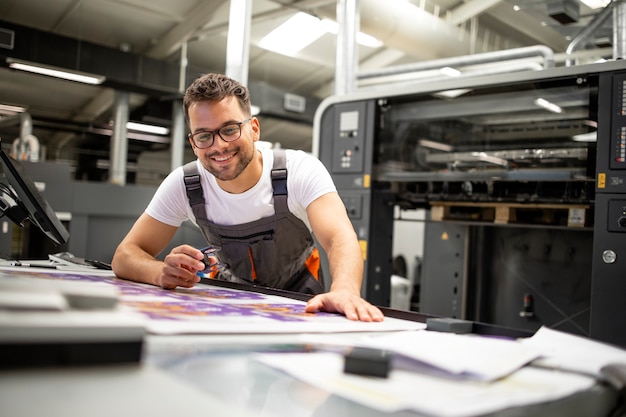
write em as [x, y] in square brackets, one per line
[276, 251]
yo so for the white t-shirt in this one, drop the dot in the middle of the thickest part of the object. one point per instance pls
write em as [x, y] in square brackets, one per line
[307, 180]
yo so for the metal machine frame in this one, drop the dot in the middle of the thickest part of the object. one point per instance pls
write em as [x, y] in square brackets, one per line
[458, 274]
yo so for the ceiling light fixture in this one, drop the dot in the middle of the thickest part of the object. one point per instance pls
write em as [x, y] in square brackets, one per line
[51, 71]
[295, 34]
[301, 30]
[142, 127]
[11, 110]
[596, 4]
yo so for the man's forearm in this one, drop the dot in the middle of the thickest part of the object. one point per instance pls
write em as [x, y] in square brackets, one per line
[135, 265]
[345, 261]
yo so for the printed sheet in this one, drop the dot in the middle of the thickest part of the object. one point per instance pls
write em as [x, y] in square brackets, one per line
[207, 309]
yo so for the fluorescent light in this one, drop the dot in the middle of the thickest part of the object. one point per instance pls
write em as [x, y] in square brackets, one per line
[545, 104]
[596, 4]
[301, 30]
[295, 34]
[11, 110]
[142, 127]
[36, 68]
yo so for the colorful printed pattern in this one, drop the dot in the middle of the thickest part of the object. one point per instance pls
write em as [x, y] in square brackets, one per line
[202, 301]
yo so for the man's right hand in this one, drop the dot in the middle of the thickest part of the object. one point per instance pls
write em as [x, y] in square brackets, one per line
[181, 266]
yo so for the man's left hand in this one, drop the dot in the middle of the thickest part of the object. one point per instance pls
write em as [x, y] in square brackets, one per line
[352, 306]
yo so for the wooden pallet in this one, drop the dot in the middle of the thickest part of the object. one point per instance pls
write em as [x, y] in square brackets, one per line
[504, 213]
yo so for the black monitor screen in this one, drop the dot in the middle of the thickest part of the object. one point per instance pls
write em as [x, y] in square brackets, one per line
[31, 203]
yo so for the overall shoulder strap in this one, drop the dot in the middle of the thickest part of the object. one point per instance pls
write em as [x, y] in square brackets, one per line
[279, 181]
[193, 187]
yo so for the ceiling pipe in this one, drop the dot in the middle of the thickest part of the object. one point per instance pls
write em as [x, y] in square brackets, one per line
[619, 31]
[26, 124]
[383, 84]
[461, 61]
[584, 35]
[26, 146]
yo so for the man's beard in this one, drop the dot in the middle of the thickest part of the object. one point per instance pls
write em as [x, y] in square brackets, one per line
[229, 172]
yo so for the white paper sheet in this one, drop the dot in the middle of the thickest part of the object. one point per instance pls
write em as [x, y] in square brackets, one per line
[481, 357]
[566, 351]
[472, 356]
[404, 390]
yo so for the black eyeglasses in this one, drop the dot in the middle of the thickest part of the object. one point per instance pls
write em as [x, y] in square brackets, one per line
[229, 133]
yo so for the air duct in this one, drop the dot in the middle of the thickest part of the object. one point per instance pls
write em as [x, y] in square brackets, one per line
[122, 70]
[564, 11]
[413, 30]
[406, 27]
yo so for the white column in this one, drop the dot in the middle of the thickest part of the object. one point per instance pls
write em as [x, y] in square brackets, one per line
[238, 43]
[619, 31]
[347, 53]
[178, 141]
[119, 145]
[177, 135]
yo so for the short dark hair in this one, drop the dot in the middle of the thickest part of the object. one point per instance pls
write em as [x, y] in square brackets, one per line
[215, 87]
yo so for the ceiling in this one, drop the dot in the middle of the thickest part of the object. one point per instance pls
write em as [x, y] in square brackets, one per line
[67, 116]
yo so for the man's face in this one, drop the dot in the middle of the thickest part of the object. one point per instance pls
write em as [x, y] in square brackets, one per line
[225, 160]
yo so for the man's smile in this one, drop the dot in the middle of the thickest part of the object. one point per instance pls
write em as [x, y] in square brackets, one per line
[223, 158]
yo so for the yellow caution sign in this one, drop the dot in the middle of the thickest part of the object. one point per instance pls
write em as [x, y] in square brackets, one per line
[601, 180]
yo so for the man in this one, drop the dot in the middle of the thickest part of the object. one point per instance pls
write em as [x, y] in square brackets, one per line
[259, 207]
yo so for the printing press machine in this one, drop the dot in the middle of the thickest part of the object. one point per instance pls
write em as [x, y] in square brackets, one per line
[521, 177]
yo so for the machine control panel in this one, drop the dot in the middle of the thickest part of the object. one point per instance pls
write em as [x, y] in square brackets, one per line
[618, 141]
[348, 142]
